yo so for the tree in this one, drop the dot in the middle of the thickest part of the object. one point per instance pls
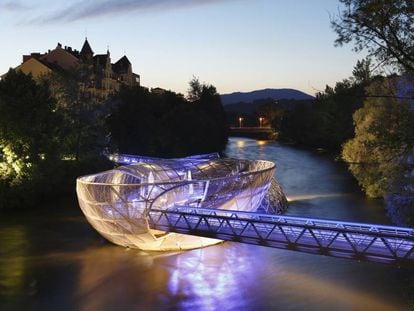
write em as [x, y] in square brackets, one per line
[166, 124]
[29, 136]
[83, 126]
[213, 131]
[195, 90]
[272, 113]
[385, 28]
[362, 71]
[327, 122]
[383, 136]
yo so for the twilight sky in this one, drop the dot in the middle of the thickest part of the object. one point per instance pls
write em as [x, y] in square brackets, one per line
[236, 45]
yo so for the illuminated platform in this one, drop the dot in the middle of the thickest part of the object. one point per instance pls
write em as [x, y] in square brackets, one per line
[117, 203]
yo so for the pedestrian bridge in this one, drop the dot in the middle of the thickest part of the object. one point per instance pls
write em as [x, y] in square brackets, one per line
[174, 204]
[358, 241]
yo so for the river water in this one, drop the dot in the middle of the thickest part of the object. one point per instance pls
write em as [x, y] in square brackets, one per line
[51, 259]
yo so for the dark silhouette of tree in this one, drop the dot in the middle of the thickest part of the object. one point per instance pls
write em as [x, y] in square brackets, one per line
[327, 122]
[362, 71]
[83, 127]
[195, 89]
[166, 124]
[385, 28]
[271, 112]
[213, 130]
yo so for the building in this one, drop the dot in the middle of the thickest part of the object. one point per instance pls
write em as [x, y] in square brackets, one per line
[101, 77]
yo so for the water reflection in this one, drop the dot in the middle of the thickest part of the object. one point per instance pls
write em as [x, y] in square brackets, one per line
[262, 142]
[13, 242]
[241, 143]
[305, 197]
[209, 275]
[58, 262]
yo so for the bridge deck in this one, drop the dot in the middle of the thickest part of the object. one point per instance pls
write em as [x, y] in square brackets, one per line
[368, 242]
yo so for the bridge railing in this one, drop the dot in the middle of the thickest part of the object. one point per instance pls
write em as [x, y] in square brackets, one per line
[360, 241]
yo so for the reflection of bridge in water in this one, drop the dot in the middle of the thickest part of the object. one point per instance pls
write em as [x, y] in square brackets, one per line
[359, 241]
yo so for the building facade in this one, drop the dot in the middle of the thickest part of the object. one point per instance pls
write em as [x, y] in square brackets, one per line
[100, 77]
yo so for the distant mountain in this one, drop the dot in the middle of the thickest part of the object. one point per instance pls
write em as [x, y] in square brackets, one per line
[286, 104]
[276, 94]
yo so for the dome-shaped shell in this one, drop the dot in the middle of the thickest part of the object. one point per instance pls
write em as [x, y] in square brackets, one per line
[117, 202]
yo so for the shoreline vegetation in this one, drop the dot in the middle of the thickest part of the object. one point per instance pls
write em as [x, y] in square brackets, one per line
[51, 132]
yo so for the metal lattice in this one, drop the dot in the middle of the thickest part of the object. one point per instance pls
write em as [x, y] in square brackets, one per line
[350, 240]
[117, 202]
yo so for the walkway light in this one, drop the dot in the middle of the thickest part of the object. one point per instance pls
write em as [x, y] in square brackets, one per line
[240, 121]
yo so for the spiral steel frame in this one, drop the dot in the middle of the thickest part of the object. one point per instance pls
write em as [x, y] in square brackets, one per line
[117, 202]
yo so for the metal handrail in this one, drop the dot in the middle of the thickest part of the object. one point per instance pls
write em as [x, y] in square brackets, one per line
[300, 222]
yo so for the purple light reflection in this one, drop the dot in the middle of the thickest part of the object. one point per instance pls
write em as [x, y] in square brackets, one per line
[210, 277]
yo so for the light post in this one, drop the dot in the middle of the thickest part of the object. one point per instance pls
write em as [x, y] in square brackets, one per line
[240, 121]
[261, 121]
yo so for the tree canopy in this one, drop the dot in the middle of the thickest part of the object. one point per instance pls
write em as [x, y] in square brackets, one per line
[166, 124]
[44, 125]
[28, 122]
[385, 28]
[83, 116]
[29, 136]
[327, 121]
[383, 135]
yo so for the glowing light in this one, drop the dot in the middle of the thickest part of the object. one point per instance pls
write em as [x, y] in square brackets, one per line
[131, 191]
[240, 143]
[303, 197]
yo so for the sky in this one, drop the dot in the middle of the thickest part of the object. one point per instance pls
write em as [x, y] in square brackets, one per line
[235, 45]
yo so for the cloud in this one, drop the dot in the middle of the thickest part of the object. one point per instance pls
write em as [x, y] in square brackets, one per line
[13, 6]
[98, 8]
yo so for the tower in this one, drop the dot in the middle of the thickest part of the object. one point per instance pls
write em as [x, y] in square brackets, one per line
[86, 52]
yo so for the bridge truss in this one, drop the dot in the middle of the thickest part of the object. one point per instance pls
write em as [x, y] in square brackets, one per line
[358, 241]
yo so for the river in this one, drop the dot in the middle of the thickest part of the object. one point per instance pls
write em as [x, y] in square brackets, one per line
[51, 259]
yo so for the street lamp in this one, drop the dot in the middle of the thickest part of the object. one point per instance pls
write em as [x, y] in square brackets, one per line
[240, 121]
[261, 121]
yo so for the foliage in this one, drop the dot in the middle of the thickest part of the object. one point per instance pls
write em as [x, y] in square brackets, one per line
[327, 122]
[383, 135]
[271, 113]
[195, 89]
[29, 140]
[37, 130]
[297, 125]
[83, 129]
[362, 72]
[166, 124]
[385, 28]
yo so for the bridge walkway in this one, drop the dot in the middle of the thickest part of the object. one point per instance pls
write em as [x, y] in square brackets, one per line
[358, 241]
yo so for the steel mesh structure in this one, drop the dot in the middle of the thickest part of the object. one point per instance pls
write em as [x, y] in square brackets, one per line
[351, 240]
[117, 203]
